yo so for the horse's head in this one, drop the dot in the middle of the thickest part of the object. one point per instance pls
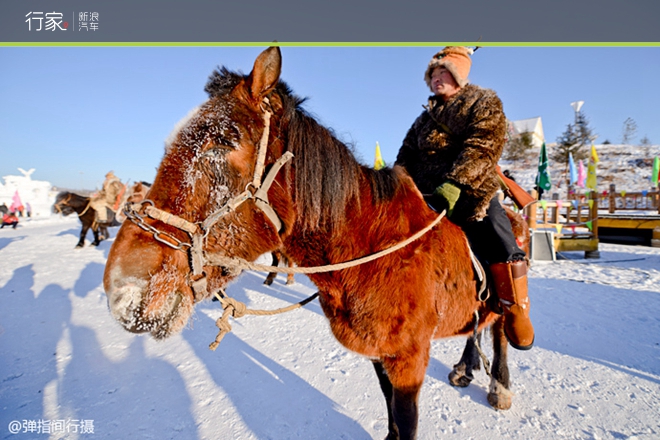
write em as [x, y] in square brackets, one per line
[209, 162]
[138, 192]
[62, 203]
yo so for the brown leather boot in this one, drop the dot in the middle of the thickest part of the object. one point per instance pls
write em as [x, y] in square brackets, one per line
[511, 288]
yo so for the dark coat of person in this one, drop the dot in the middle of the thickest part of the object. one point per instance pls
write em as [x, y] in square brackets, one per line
[460, 140]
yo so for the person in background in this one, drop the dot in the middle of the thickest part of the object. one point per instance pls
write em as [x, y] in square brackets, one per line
[9, 219]
[107, 197]
[451, 152]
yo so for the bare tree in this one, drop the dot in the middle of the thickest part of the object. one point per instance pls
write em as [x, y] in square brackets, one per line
[629, 131]
[517, 147]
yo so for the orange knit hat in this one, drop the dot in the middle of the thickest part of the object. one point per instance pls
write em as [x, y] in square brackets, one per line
[456, 59]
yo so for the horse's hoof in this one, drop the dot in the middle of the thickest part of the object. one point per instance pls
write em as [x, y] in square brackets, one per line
[290, 282]
[79, 246]
[268, 282]
[459, 378]
[498, 396]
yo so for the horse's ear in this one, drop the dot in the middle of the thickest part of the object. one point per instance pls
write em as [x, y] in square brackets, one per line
[265, 73]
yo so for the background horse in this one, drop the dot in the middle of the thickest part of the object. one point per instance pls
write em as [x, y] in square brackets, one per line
[278, 256]
[67, 203]
[331, 209]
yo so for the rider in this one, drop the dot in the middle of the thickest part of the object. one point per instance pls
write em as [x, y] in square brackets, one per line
[451, 152]
[107, 197]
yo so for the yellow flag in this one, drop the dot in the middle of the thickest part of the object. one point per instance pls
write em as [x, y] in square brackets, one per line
[378, 162]
[594, 155]
[592, 182]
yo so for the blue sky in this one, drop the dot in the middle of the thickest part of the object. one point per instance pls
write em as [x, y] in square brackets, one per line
[74, 113]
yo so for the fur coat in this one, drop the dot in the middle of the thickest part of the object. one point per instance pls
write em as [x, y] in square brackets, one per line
[461, 141]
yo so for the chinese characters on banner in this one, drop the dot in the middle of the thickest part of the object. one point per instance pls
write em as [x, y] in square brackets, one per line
[88, 21]
[54, 21]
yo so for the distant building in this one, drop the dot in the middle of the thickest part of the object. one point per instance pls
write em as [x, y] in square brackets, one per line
[533, 126]
[37, 193]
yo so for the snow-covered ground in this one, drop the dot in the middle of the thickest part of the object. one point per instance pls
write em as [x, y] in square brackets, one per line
[594, 372]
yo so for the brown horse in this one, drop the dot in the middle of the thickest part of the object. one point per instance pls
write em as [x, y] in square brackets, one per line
[67, 203]
[331, 209]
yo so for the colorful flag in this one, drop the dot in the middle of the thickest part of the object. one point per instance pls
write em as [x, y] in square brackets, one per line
[543, 176]
[572, 171]
[656, 169]
[592, 182]
[594, 155]
[16, 202]
[582, 174]
[379, 163]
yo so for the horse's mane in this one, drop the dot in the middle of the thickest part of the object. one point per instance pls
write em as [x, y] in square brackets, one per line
[62, 194]
[328, 176]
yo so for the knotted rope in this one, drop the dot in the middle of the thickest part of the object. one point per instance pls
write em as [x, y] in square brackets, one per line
[239, 263]
[235, 308]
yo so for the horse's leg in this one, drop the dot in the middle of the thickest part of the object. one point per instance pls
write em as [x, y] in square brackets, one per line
[406, 375]
[289, 276]
[271, 276]
[95, 231]
[101, 230]
[499, 395]
[386, 387]
[461, 375]
[83, 234]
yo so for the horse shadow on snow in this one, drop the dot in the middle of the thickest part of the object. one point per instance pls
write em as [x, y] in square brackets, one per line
[37, 330]
[6, 241]
[271, 400]
[33, 326]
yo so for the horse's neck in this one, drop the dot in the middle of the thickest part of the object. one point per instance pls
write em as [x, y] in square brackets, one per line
[80, 203]
[367, 229]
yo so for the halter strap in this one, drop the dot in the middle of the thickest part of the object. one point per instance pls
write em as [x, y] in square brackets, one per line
[199, 232]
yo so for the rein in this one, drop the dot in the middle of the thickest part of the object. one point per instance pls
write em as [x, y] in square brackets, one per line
[86, 207]
[257, 190]
[59, 204]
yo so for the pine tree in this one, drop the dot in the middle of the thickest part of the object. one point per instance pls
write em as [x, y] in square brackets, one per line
[585, 133]
[567, 143]
[576, 140]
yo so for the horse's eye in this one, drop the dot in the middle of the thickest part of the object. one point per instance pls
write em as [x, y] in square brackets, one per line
[217, 150]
